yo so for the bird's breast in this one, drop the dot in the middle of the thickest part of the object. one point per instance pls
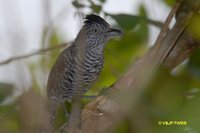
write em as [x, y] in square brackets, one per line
[93, 66]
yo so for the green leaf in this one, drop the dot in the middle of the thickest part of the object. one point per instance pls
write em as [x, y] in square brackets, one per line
[143, 29]
[142, 11]
[96, 8]
[76, 4]
[102, 1]
[127, 22]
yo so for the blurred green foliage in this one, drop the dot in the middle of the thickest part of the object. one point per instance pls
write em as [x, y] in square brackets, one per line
[194, 65]
[6, 89]
[94, 6]
[168, 97]
[170, 2]
[9, 119]
[193, 27]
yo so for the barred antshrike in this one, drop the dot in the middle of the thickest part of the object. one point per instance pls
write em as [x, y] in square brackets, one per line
[79, 65]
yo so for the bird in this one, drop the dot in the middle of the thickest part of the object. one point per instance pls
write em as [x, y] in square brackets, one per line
[79, 65]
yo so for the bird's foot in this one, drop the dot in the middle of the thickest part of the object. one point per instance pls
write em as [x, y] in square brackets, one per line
[91, 97]
[105, 91]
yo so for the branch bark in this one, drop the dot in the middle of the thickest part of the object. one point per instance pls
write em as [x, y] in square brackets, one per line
[41, 51]
[172, 48]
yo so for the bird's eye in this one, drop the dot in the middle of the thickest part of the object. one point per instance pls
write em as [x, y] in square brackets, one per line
[95, 30]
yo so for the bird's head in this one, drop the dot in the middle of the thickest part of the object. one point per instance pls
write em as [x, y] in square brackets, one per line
[98, 30]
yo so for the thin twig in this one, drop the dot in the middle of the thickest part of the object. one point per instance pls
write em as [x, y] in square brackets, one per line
[41, 51]
[46, 41]
[156, 23]
[164, 31]
[165, 27]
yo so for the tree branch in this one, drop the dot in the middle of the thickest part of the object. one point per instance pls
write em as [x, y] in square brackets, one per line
[41, 51]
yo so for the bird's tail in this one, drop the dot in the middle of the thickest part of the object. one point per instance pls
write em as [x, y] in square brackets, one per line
[74, 122]
[53, 106]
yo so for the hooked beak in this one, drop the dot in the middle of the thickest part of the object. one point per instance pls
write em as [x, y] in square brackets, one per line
[114, 32]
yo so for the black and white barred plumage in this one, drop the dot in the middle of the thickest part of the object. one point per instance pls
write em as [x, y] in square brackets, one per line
[79, 65]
